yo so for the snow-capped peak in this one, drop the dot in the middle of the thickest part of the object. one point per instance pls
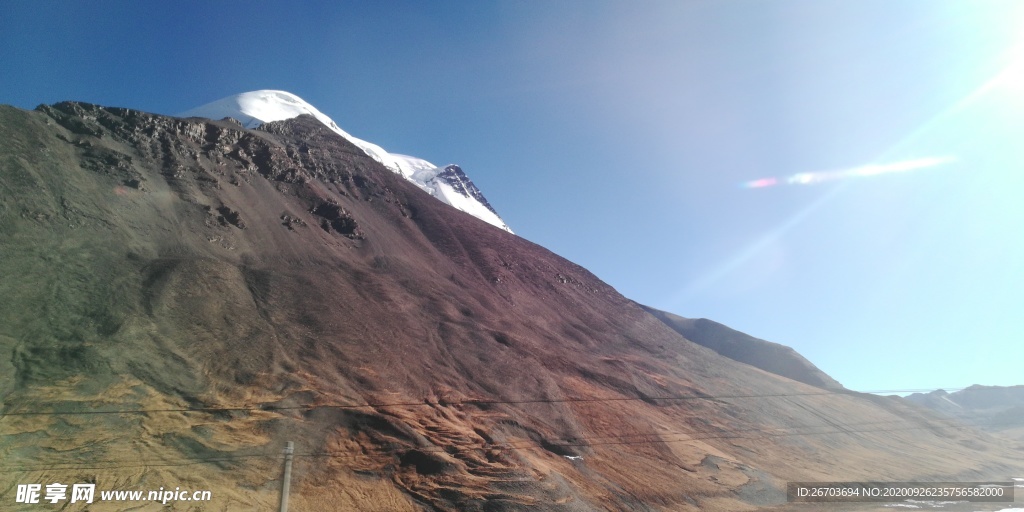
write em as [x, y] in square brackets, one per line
[449, 184]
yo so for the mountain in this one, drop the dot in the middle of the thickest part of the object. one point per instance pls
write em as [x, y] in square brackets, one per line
[449, 184]
[770, 357]
[992, 408]
[182, 297]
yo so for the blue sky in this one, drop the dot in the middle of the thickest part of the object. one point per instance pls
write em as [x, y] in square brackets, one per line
[617, 135]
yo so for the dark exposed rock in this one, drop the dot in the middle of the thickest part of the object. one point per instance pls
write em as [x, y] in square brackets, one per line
[334, 217]
[291, 222]
[229, 216]
[454, 176]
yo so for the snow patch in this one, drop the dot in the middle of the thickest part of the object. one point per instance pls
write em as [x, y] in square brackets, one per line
[958, 406]
[257, 107]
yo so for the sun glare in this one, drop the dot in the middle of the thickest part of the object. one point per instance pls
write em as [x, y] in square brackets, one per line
[810, 178]
[1011, 79]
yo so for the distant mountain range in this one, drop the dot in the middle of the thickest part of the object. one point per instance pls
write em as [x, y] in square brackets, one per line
[183, 296]
[992, 408]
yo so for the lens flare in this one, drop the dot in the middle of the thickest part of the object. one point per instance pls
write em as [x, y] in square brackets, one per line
[810, 178]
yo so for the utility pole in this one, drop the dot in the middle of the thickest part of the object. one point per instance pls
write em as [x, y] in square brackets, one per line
[289, 450]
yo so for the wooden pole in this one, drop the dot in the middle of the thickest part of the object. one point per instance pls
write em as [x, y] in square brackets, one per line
[289, 449]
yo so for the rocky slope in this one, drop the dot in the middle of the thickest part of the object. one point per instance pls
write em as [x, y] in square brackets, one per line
[180, 297]
[449, 184]
[770, 357]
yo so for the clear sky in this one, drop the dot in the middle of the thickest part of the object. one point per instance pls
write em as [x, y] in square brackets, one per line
[618, 135]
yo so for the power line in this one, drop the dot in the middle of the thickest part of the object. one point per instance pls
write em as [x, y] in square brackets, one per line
[721, 434]
[110, 464]
[917, 390]
[439, 402]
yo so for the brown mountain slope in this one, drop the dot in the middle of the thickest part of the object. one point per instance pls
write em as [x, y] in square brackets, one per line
[229, 290]
[738, 346]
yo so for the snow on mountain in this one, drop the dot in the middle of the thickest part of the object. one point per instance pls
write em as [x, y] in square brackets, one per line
[450, 184]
